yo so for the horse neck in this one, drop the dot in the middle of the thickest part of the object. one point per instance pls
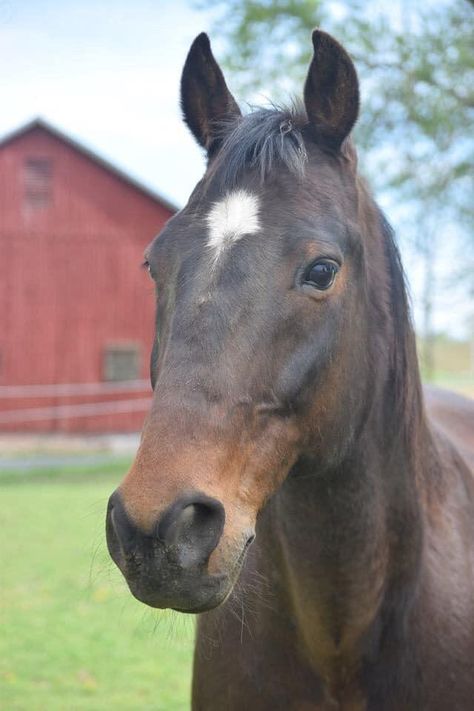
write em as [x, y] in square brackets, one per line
[347, 548]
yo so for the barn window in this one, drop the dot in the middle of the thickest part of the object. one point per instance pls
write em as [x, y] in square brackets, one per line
[38, 174]
[122, 362]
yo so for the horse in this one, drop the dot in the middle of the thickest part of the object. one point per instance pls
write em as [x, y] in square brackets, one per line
[294, 487]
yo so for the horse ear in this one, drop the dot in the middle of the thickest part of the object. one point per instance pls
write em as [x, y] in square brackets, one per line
[205, 99]
[331, 92]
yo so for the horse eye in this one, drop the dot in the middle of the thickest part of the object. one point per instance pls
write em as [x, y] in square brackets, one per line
[321, 274]
[146, 265]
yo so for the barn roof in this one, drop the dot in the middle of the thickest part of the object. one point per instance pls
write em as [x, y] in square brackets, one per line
[92, 155]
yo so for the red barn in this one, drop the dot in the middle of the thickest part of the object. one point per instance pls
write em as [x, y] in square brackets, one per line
[76, 310]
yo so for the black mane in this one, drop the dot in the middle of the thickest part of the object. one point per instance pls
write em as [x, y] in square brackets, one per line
[405, 399]
[260, 140]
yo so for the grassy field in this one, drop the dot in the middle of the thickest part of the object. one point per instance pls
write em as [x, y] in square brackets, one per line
[462, 384]
[72, 637]
[453, 368]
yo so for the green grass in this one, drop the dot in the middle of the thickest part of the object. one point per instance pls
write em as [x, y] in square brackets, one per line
[462, 384]
[452, 365]
[72, 637]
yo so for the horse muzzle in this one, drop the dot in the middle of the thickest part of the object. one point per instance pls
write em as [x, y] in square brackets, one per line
[167, 565]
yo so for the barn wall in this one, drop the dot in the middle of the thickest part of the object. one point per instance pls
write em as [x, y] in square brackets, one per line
[70, 277]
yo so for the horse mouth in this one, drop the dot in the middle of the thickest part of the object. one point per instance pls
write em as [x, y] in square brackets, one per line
[188, 596]
[188, 591]
[206, 607]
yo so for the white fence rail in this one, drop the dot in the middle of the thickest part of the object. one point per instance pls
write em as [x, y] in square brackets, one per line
[60, 412]
[71, 389]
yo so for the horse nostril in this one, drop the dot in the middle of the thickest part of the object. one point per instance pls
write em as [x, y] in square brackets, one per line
[121, 533]
[192, 527]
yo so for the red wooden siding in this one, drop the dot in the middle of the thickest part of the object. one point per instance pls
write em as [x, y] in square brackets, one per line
[70, 277]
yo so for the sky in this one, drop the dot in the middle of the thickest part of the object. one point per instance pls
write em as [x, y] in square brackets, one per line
[107, 73]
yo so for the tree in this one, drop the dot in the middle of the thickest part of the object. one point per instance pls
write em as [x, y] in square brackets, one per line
[416, 66]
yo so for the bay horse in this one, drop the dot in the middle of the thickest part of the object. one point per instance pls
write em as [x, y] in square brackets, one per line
[287, 408]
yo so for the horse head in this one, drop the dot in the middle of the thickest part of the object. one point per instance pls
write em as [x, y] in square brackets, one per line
[260, 357]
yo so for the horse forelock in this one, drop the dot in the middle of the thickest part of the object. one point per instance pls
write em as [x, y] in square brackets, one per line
[264, 140]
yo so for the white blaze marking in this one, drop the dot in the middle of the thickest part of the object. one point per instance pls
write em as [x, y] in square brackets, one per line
[230, 219]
